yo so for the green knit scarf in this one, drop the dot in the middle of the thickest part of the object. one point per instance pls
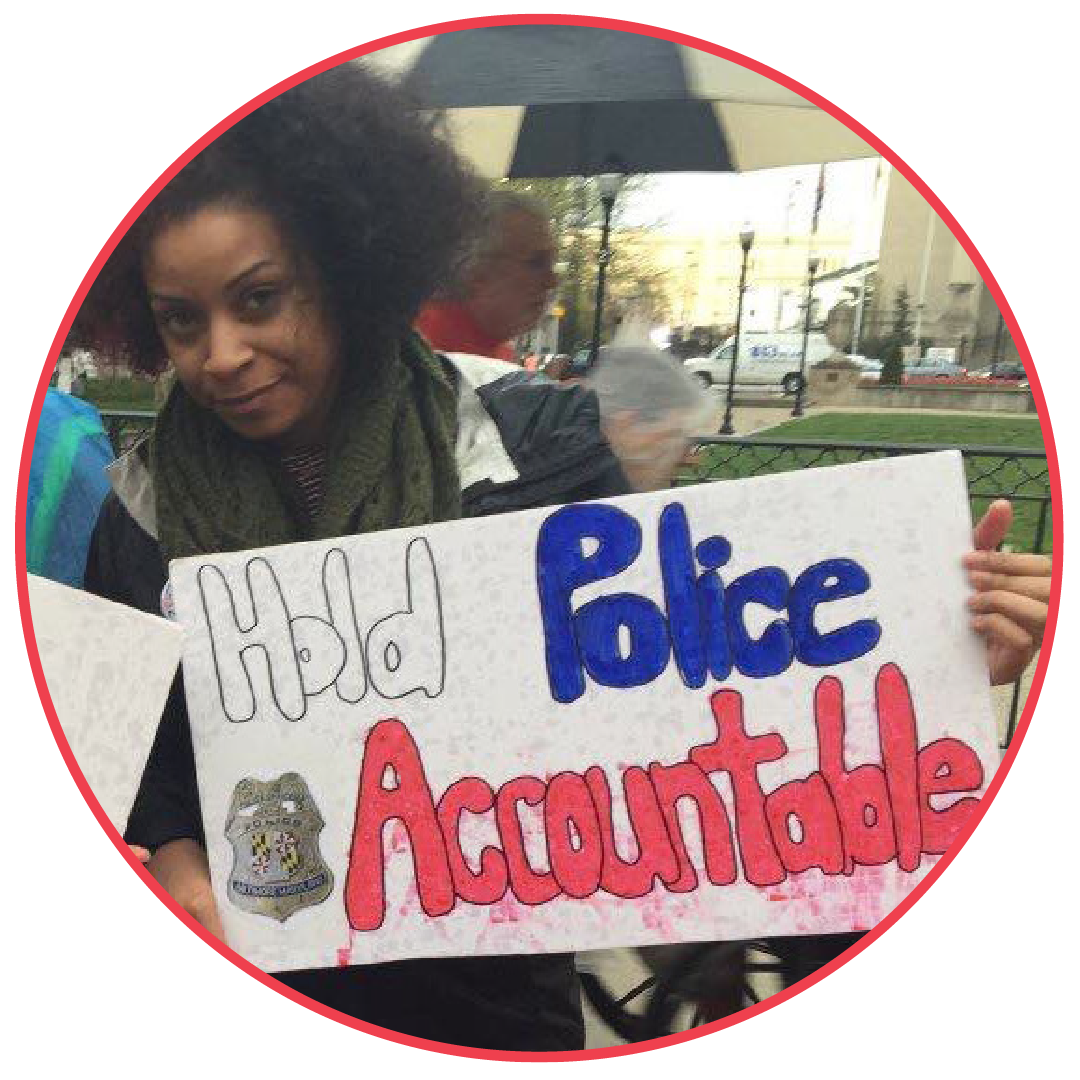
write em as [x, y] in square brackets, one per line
[389, 452]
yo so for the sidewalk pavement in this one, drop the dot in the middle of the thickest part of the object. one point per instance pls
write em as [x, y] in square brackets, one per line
[761, 413]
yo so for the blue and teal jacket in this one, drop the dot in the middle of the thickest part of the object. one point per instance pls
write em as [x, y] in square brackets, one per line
[66, 488]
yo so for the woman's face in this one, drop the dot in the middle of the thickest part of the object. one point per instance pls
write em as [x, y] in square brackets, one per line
[244, 323]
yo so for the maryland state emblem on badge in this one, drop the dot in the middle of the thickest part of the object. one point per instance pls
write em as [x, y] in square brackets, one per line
[274, 830]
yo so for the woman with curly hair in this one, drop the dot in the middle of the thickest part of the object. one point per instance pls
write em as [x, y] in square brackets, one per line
[279, 274]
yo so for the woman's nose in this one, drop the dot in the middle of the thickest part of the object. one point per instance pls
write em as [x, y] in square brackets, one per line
[229, 348]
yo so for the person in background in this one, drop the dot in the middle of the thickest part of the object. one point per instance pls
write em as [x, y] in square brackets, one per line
[79, 385]
[556, 367]
[503, 289]
[66, 487]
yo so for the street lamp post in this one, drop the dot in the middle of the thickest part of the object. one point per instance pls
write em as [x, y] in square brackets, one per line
[610, 185]
[812, 268]
[746, 242]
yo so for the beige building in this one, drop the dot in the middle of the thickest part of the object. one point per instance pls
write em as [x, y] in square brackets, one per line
[951, 306]
[701, 276]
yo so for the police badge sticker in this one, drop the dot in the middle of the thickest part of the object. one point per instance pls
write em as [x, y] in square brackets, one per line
[274, 828]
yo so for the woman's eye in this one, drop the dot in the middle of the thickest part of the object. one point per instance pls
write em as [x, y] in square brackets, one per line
[176, 320]
[260, 301]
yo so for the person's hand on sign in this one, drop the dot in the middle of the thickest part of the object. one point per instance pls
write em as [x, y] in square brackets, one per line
[181, 868]
[1011, 599]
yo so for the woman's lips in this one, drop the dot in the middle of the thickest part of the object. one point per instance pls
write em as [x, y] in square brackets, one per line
[247, 400]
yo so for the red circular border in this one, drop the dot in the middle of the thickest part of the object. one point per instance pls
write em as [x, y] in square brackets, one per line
[567, 20]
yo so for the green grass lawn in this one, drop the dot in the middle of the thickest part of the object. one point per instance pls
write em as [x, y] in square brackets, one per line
[120, 393]
[944, 430]
[989, 476]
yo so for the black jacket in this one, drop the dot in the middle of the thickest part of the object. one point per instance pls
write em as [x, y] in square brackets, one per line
[552, 438]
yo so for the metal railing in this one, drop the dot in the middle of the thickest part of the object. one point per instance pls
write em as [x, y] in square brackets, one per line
[993, 472]
[125, 426]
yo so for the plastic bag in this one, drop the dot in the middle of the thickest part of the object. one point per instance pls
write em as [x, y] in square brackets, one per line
[651, 411]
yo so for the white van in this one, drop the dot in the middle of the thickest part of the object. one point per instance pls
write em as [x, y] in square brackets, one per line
[764, 360]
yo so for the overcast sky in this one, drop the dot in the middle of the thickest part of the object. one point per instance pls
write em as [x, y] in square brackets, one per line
[771, 200]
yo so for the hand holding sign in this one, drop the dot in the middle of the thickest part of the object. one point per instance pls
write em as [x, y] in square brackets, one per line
[1012, 596]
[181, 869]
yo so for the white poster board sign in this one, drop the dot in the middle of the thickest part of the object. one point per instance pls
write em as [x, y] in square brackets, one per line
[725, 711]
[109, 669]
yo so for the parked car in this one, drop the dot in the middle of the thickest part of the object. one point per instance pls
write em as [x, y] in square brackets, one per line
[764, 360]
[1013, 370]
[868, 369]
[579, 363]
[925, 368]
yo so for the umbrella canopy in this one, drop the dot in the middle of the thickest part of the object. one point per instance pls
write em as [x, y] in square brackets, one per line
[543, 100]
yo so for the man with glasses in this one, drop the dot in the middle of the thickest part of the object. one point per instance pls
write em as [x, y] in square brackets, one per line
[504, 289]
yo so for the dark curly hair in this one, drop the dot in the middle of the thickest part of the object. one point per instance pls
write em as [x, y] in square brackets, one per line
[358, 179]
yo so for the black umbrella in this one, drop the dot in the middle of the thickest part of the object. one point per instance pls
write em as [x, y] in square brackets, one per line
[542, 100]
